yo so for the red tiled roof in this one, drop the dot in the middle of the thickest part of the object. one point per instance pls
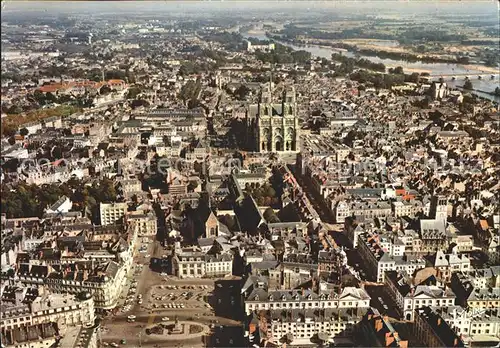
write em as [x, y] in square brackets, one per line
[115, 82]
[484, 224]
[57, 86]
[51, 88]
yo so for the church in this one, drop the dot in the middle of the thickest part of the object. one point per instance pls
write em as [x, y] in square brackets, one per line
[273, 126]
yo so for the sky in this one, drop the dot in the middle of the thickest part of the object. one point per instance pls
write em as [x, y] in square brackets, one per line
[197, 6]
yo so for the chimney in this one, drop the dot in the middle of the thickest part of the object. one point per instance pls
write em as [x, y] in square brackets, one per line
[439, 322]
[378, 324]
[455, 342]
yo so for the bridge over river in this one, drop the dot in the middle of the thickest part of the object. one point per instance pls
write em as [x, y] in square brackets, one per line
[466, 75]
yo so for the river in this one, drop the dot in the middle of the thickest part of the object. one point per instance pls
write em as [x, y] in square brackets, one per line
[485, 84]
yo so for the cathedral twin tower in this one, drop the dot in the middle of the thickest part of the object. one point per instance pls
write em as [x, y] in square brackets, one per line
[274, 127]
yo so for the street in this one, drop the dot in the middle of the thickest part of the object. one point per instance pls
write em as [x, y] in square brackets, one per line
[383, 301]
[317, 201]
[154, 298]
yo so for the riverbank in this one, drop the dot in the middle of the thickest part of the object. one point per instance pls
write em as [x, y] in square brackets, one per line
[434, 69]
[420, 64]
[372, 51]
[482, 68]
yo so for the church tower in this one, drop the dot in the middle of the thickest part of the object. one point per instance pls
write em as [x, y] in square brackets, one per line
[439, 208]
[277, 125]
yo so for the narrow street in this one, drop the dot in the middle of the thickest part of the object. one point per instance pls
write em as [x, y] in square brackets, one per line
[317, 201]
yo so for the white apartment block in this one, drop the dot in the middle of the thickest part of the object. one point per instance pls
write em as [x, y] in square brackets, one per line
[111, 213]
[145, 222]
[189, 264]
[377, 261]
[21, 308]
[305, 324]
[409, 297]
[105, 289]
[260, 299]
[218, 265]
[473, 322]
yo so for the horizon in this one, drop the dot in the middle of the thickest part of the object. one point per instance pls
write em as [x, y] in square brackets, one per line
[187, 5]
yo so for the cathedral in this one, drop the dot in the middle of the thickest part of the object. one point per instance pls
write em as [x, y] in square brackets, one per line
[274, 126]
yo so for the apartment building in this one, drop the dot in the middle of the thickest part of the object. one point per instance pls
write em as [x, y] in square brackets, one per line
[144, 221]
[473, 294]
[312, 325]
[483, 278]
[447, 264]
[25, 307]
[405, 208]
[264, 299]
[367, 209]
[433, 331]
[472, 324]
[189, 264]
[80, 337]
[104, 283]
[433, 234]
[111, 213]
[410, 297]
[218, 265]
[377, 261]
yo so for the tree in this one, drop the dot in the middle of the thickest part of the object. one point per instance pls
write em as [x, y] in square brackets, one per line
[51, 98]
[230, 221]
[192, 185]
[39, 97]
[466, 108]
[14, 109]
[241, 92]
[115, 74]
[23, 131]
[398, 70]
[378, 81]
[8, 130]
[269, 191]
[468, 84]
[139, 102]
[188, 68]
[414, 77]
[133, 92]
[104, 90]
